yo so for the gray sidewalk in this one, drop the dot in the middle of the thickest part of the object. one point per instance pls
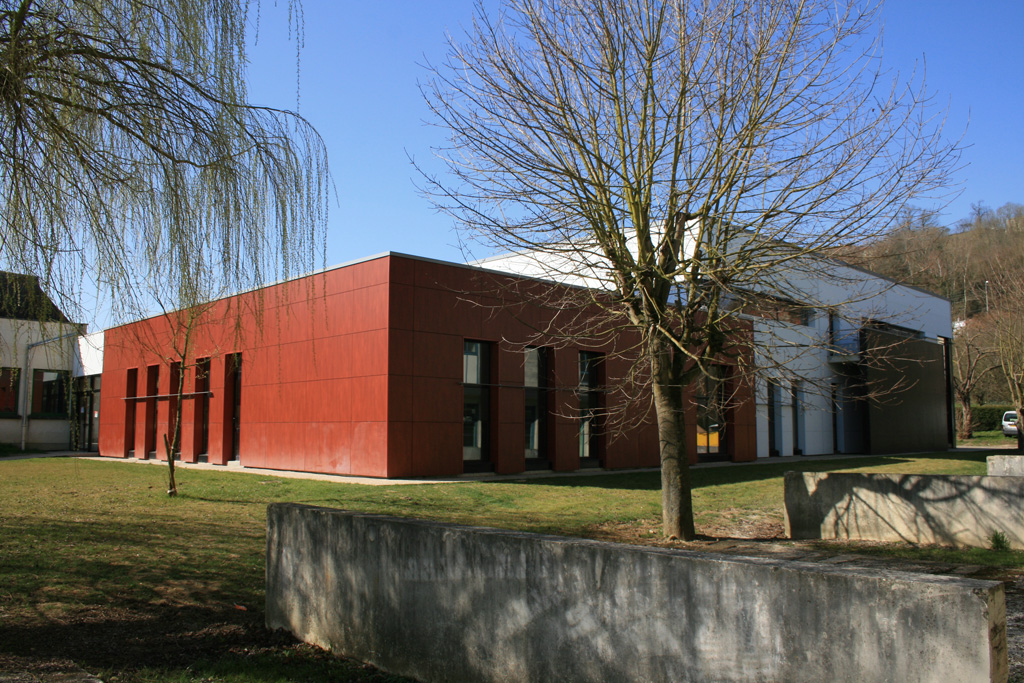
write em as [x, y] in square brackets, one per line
[487, 476]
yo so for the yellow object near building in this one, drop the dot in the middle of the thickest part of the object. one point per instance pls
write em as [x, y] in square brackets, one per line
[706, 439]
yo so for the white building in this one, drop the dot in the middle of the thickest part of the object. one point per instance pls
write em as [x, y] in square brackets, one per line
[41, 355]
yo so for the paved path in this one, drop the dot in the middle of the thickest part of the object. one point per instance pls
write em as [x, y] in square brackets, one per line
[374, 481]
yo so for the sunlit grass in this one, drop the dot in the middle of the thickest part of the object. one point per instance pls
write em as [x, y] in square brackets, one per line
[988, 439]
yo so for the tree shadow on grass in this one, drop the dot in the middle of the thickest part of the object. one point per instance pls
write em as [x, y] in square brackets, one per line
[145, 641]
[144, 600]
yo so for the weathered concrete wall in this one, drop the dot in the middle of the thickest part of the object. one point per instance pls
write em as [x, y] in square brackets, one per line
[949, 510]
[442, 602]
[1005, 465]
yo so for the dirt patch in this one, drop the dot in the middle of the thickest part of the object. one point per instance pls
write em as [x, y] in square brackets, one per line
[740, 526]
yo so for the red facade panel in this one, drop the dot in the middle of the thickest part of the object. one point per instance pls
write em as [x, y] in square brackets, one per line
[313, 376]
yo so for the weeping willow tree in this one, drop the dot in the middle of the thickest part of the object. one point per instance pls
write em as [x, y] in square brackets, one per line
[127, 144]
[682, 154]
[133, 165]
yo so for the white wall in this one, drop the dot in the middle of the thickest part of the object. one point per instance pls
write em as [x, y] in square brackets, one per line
[88, 358]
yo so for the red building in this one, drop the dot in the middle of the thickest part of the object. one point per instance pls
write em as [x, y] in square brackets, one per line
[394, 366]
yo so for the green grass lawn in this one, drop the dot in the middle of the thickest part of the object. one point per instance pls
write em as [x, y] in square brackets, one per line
[988, 440]
[100, 567]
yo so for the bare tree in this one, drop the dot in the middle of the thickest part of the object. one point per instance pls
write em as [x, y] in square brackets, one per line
[678, 154]
[196, 316]
[172, 339]
[973, 360]
[126, 137]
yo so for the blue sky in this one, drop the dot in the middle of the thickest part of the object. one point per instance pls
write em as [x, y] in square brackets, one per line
[362, 60]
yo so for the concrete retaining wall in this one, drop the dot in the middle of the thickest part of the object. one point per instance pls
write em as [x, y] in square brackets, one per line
[948, 510]
[1005, 465]
[442, 602]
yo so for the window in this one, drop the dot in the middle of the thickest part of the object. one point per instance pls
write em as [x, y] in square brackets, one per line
[152, 389]
[202, 407]
[711, 411]
[797, 397]
[49, 393]
[173, 430]
[535, 385]
[772, 308]
[175, 378]
[9, 378]
[774, 419]
[476, 401]
[844, 335]
[590, 404]
[233, 382]
[86, 429]
[131, 391]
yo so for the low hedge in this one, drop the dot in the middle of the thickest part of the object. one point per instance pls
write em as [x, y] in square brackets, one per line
[988, 418]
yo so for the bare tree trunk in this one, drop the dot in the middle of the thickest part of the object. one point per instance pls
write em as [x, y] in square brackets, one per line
[173, 445]
[966, 428]
[172, 486]
[676, 500]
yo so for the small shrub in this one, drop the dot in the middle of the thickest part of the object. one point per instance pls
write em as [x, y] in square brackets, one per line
[997, 541]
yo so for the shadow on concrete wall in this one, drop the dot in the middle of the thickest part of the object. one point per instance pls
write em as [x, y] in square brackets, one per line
[948, 510]
[448, 602]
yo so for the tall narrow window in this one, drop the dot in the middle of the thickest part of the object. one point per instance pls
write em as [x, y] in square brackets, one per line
[173, 431]
[202, 408]
[9, 378]
[798, 419]
[711, 412]
[535, 389]
[234, 383]
[130, 392]
[476, 401]
[774, 419]
[152, 389]
[590, 406]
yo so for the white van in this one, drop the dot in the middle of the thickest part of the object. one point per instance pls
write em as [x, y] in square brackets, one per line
[1010, 423]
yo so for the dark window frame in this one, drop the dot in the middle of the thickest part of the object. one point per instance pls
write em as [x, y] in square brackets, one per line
[152, 415]
[536, 397]
[711, 396]
[131, 409]
[233, 399]
[10, 380]
[202, 407]
[590, 398]
[476, 404]
[50, 396]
